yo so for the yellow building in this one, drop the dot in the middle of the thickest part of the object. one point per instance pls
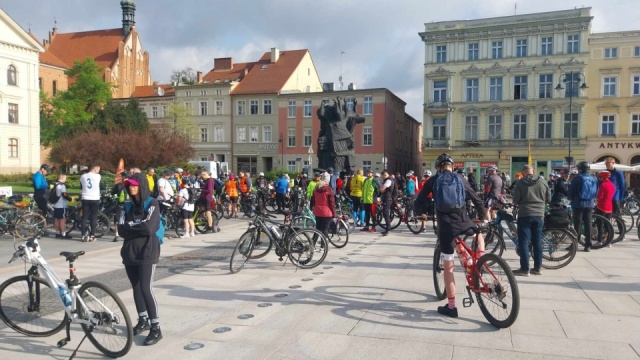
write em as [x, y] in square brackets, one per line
[489, 89]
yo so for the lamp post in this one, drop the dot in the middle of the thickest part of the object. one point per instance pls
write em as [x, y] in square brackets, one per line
[384, 163]
[281, 141]
[571, 80]
[310, 152]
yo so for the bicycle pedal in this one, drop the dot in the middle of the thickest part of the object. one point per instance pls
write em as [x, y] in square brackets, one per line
[466, 302]
[62, 342]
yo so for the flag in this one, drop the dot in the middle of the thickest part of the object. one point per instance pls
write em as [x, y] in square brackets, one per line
[120, 169]
[529, 152]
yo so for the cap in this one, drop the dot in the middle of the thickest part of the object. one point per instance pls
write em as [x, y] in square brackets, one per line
[377, 175]
[261, 174]
[316, 174]
[527, 167]
[130, 181]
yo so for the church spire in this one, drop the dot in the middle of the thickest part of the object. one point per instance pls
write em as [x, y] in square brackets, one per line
[128, 16]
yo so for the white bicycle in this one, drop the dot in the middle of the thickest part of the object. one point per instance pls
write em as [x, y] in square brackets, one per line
[31, 304]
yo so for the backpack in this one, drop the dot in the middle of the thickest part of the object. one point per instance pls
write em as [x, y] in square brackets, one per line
[449, 193]
[395, 191]
[192, 196]
[243, 185]
[589, 187]
[163, 220]
[53, 195]
[218, 186]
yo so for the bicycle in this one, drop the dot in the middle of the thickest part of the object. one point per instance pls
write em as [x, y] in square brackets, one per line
[338, 230]
[488, 277]
[30, 304]
[19, 223]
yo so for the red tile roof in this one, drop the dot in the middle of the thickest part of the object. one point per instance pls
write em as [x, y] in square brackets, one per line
[239, 71]
[102, 45]
[150, 91]
[48, 58]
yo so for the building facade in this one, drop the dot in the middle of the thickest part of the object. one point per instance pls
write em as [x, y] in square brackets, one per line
[489, 90]
[19, 99]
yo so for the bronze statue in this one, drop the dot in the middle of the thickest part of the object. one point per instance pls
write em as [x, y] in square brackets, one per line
[336, 147]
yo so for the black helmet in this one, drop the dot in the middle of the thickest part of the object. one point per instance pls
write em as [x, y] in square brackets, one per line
[583, 166]
[444, 158]
[46, 167]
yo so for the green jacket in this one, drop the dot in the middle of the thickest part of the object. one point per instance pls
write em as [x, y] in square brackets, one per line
[312, 186]
[368, 190]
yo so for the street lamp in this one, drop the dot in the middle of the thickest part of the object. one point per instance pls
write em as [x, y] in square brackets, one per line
[281, 141]
[571, 80]
[384, 163]
[310, 152]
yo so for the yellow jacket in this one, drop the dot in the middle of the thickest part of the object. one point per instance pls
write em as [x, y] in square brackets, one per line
[356, 185]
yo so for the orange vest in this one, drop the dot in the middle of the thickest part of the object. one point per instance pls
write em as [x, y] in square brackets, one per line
[243, 185]
[231, 188]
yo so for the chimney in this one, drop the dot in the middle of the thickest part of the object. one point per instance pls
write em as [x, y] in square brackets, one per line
[128, 16]
[223, 63]
[275, 54]
[199, 77]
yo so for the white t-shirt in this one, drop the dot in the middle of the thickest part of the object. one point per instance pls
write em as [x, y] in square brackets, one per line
[184, 194]
[168, 190]
[62, 202]
[90, 183]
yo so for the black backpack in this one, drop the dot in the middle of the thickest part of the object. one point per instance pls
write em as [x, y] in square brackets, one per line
[192, 196]
[53, 195]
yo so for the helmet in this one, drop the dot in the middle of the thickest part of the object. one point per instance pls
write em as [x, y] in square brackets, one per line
[444, 158]
[261, 174]
[330, 170]
[492, 168]
[574, 172]
[582, 166]
[45, 166]
[179, 170]
[428, 172]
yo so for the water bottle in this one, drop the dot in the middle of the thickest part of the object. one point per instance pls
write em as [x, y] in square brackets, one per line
[464, 258]
[64, 295]
[274, 230]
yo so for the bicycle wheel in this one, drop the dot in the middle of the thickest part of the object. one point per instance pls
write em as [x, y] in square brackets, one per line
[226, 203]
[44, 317]
[494, 242]
[438, 274]
[632, 204]
[110, 331]
[307, 248]
[559, 247]
[395, 217]
[414, 224]
[201, 222]
[303, 222]
[629, 219]
[178, 224]
[349, 221]
[619, 228]
[261, 244]
[270, 205]
[242, 252]
[598, 241]
[102, 225]
[496, 291]
[29, 225]
[340, 237]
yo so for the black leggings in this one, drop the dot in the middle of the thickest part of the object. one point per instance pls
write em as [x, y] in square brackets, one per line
[40, 196]
[90, 209]
[357, 204]
[141, 278]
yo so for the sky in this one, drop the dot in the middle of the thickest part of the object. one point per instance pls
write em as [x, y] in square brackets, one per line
[379, 38]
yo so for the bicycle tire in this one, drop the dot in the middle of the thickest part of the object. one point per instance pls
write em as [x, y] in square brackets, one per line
[262, 244]
[14, 302]
[201, 223]
[226, 204]
[242, 252]
[559, 246]
[350, 221]
[619, 228]
[415, 225]
[340, 237]
[303, 221]
[395, 217]
[178, 225]
[109, 335]
[102, 225]
[608, 233]
[498, 277]
[307, 248]
[271, 206]
[438, 274]
[29, 225]
[628, 217]
[494, 242]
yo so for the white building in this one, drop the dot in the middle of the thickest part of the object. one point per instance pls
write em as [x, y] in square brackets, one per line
[19, 99]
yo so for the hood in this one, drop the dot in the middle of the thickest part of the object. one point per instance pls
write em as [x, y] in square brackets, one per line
[144, 186]
[531, 180]
[323, 187]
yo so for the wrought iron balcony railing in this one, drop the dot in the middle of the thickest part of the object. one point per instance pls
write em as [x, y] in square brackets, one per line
[435, 143]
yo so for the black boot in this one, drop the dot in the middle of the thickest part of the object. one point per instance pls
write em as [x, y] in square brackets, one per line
[154, 335]
[143, 324]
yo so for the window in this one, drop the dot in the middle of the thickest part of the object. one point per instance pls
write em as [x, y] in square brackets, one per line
[635, 83]
[291, 137]
[573, 44]
[165, 110]
[545, 126]
[520, 126]
[187, 93]
[13, 148]
[307, 108]
[218, 107]
[204, 134]
[636, 51]
[496, 50]
[570, 125]
[54, 87]
[307, 137]
[441, 53]
[240, 107]
[521, 48]
[572, 85]
[367, 136]
[609, 86]
[241, 134]
[440, 128]
[218, 133]
[203, 92]
[472, 89]
[204, 158]
[154, 111]
[367, 109]
[219, 92]
[635, 124]
[440, 91]
[266, 107]
[471, 128]
[366, 165]
[12, 75]
[351, 104]
[266, 133]
[520, 88]
[610, 53]
[608, 125]
[474, 51]
[253, 107]
[40, 82]
[547, 46]
[495, 88]
[253, 134]
[291, 111]
[13, 113]
[291, 165]
[203, 108]
[546, 86]
[495, 127]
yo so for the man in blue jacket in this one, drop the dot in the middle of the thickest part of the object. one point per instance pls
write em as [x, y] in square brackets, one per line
[617, 178]
[583, 202]
[40, 187]
[282, 186]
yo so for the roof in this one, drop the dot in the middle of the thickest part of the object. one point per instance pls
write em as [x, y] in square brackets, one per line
[220, 76]
[48, 58]
[150, 91]
[101, 45]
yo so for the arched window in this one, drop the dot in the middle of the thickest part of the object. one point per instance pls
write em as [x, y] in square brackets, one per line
[635, 160]
[12, 75]
[54, 87]
[13, 148]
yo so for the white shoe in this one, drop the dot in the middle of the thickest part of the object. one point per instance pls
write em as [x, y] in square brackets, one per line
[185, 236]
[193, 234]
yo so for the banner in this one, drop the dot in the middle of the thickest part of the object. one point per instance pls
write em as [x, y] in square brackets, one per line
[529, 152]
[119, 170]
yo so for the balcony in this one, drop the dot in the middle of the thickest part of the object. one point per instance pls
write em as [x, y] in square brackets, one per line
[438, 106]
[439, 143]
[521, 143]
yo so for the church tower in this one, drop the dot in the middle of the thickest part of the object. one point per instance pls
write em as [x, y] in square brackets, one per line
[128, 16]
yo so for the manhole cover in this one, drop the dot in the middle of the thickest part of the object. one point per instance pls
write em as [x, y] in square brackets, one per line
[281, 295]
[307, 279]
[221, 330]
[294, 287]
[264, 304]
[318, 273]
[193, 346]
[245, 316]
[328, 267]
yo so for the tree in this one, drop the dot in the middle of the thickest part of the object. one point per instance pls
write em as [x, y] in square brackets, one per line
[184, 76]
[181, 120]
[115, 116]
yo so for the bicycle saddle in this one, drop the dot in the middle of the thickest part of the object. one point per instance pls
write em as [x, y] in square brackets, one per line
[71, 256]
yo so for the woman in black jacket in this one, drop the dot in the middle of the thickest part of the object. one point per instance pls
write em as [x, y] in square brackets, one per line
[140, 252]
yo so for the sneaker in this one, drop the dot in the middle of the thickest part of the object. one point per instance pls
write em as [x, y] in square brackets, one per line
[84, 239]
[535, 272]
[92, 239]
[193, 234]
[587, 249]
[115, 239]
[366, 228]
[185, 236]
[372, 230]
[58, 236]
[446, 310]
[385, 233]
[154, 336]
[143, 324]
[521, 272]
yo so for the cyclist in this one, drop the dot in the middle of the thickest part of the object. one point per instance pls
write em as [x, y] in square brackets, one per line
[40, 187]
[355, 185]
[452, 222]
[492, 190]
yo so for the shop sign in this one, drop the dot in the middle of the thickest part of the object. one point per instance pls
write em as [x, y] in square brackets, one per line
[458, 165]
[473, 164]
[472, 155]
[485, 164]
[268, 147]
[558, 164]
[620, 145]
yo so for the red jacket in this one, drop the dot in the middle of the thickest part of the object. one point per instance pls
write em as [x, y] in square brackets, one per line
[324, 203]
[604, 198]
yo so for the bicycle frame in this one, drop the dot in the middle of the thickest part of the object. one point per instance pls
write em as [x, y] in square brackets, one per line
[484, 288]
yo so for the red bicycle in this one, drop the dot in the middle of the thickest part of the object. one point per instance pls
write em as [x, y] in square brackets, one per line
[489, 278]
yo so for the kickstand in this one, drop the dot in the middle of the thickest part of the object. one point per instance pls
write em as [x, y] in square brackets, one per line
[76, 350]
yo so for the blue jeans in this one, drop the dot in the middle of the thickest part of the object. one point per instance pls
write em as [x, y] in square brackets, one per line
[530, 229]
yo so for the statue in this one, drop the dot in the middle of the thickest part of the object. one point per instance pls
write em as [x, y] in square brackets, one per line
[335, 140]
